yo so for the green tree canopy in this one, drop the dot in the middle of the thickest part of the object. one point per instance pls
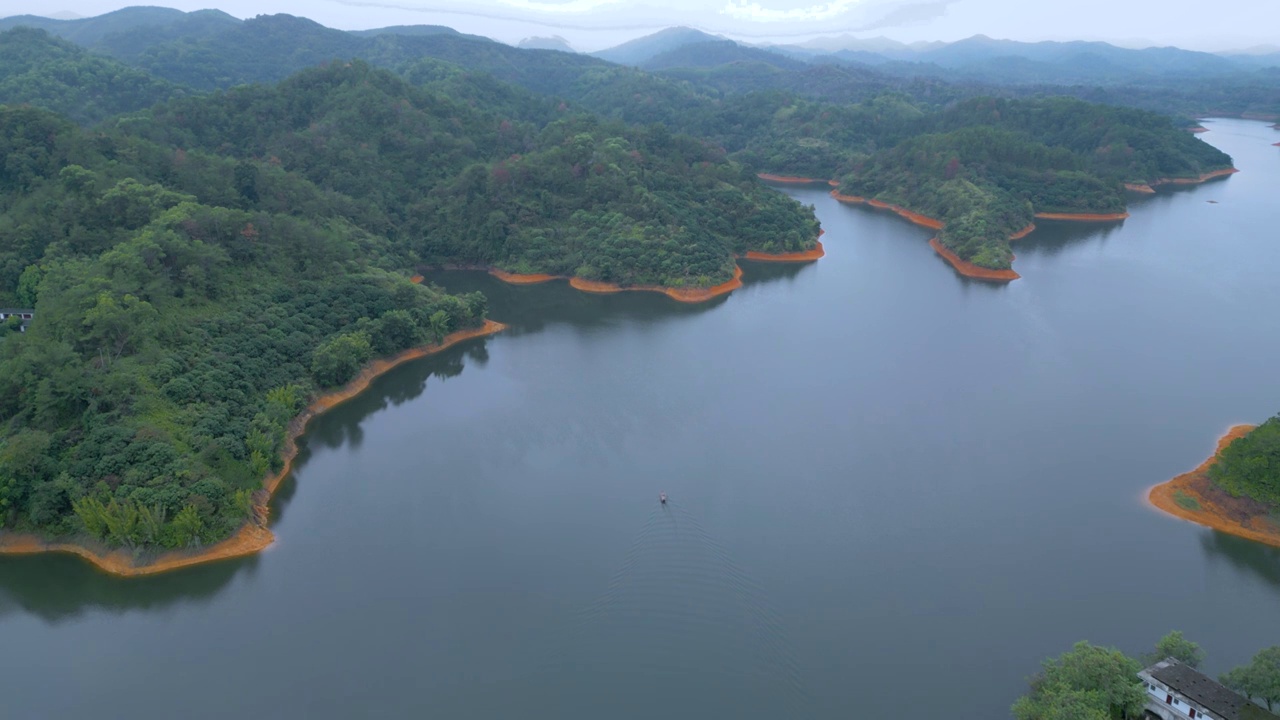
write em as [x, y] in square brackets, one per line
[1260, 679]
[1087, 683]
[1250, 466]
[1175, 646]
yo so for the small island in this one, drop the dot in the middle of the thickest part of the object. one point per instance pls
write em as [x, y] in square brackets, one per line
[1236, 490]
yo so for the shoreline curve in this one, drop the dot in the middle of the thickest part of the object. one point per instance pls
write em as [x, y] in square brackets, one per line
[815, 253]
[792, 179]
[964, 267]
[1204, 177]
[968, 269]
[518, 279]
[904, 213]
[1212, 513]
[1150, 188]
[252, 537]
[1030, 228]
[684, 295]
[1083, 217]
[679, 294]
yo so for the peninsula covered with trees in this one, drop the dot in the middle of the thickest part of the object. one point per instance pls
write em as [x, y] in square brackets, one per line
[1236, 490]
[986, 168]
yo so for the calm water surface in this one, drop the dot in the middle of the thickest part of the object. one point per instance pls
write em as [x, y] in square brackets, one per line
[893, 491]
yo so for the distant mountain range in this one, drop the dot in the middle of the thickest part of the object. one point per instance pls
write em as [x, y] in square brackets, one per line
[210, 49]
[641, 50]
[978, 58]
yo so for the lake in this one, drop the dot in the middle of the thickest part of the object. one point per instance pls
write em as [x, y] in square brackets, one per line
[893, 492]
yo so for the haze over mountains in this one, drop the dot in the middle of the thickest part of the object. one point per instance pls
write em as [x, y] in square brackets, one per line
[127, 33]
[211, 49]
[976, 58]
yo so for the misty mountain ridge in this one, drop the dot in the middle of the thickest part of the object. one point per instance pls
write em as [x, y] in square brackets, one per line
[555, 42]
[643, 49]
[157, 22]
[979, 58]
[207, 50]
[716, 53]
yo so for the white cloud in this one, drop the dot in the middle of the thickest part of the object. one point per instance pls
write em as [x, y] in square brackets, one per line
[572, 6]
[756, 12]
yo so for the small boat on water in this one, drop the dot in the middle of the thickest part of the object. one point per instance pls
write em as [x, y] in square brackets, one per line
[662, 498]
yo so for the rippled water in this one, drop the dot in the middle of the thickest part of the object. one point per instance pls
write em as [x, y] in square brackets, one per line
[893, 491]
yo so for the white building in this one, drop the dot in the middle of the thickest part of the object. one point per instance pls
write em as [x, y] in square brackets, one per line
[1178, 692]
[25, 315]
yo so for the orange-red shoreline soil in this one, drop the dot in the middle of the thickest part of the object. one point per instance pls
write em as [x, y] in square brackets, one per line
[1148, 188]
[915, 217]
[1030, 228]
[518, 279]
[685, 295]
[1083, 217]
[1196, 180]
[1198, 129]
[791, 179]
[802, 256]
[963, 267]
[1218, 510]
[970, 270]
[252, 537]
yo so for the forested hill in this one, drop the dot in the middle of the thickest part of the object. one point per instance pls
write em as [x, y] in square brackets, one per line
[452, 182]
[198, 270]
[181, 322]
[47, 72]
[112, 29]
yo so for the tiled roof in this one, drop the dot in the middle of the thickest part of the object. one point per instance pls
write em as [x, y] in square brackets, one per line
[1207, 692]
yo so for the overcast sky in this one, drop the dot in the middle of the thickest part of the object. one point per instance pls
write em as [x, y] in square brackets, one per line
[595, 24]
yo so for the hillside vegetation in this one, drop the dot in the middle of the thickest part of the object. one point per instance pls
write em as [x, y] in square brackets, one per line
[175, 335]
[1250, 466]
[203, 262]
[200, 269]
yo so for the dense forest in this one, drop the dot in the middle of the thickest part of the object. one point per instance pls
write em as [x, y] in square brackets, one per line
[176, 336]
[56, 75]
[204, 255]
[1250, 466]
[201, 268]
[597, 200]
